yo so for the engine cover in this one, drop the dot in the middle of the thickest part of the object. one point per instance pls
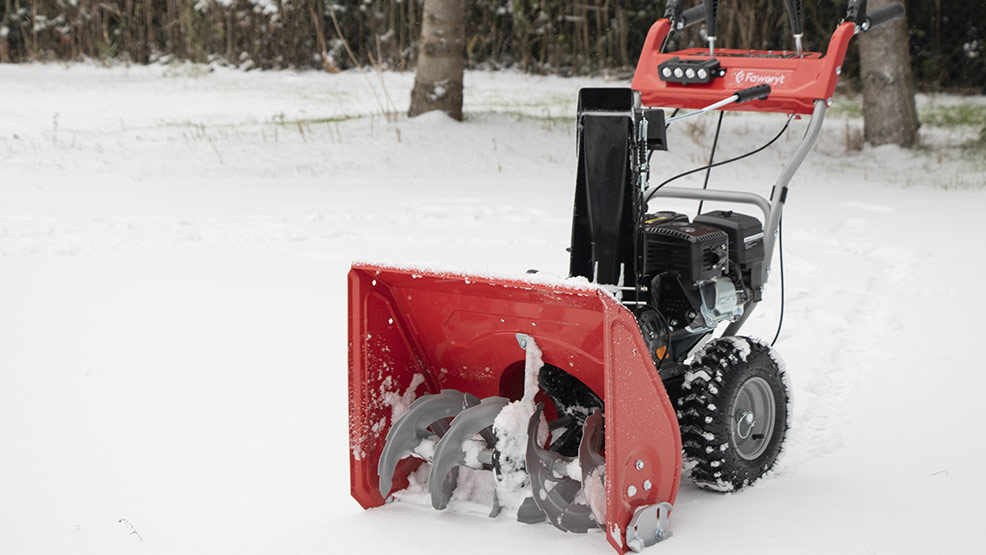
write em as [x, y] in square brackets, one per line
[745, 245]
[697, 252]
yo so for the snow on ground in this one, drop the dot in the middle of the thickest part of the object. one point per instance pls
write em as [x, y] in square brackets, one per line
[174, 244]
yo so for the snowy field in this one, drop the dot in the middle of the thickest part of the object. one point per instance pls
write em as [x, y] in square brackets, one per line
[174, 245]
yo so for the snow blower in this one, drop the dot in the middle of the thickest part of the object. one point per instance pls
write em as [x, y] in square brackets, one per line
[581, 396]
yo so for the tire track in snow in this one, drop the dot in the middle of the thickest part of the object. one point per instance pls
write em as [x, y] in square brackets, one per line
[847, 323]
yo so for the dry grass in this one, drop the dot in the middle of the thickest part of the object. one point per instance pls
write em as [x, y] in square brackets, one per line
[854, 138]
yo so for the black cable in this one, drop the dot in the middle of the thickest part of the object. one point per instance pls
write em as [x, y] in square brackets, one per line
[667, 38]
[780, 252]
[664, 43]
[653, 191]
[780, 248]
[712, 155]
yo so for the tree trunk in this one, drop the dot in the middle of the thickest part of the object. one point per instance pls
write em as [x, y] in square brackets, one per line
[889, 116]
[441, 59]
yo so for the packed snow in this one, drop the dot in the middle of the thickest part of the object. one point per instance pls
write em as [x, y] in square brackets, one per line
[173, 369]
[399, 402]
[510, 428]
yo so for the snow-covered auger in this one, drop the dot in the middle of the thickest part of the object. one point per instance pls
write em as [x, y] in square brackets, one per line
[581, 395]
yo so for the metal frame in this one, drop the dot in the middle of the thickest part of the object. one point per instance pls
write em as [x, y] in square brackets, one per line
[772, 210]
[740, 197]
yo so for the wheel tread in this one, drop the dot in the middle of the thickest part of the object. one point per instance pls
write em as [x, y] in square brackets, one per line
[706, 392]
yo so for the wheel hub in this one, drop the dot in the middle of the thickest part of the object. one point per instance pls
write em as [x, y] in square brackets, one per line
[744, 424]
[752, 425]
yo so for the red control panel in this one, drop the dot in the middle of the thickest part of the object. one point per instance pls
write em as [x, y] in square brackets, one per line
[796, 81]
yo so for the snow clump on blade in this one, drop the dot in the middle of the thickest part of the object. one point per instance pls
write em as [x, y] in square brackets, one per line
[510, 427]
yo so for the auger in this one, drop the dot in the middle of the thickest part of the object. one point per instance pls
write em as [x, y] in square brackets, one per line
[581, 396]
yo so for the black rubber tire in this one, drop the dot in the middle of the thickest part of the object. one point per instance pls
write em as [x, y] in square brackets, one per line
[708, 396]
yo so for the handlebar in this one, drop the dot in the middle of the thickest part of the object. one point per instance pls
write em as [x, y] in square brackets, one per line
[711, 14]
[856, 13]
[883, 15]
[756, 92]
[794, 13]
[759, 92]
[691, 16]
[797, 28]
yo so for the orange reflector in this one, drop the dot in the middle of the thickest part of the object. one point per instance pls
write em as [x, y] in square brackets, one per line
[661, 351]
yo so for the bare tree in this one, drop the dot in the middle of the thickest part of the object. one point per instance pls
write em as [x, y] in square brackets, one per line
[441, 59]
[889, 116]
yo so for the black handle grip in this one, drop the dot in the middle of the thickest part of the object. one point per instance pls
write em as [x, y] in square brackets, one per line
[794, 12]
[711, 13]
[691, 16]
[758, 92]
[885, 14]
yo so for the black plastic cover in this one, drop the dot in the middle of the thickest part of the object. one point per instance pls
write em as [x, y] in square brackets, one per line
[605, 99]
[666, 70]
[664, 217]
[696, 252]
[746, 248]
[657, 137]
[745, 233]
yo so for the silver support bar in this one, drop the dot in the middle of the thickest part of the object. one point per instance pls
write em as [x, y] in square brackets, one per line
[779, 193]
[709, 108]
[714, 194]
[777, 198]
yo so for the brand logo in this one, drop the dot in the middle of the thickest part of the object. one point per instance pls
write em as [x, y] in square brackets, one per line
[743, 77]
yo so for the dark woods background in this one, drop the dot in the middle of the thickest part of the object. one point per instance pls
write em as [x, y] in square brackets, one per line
[948, 39]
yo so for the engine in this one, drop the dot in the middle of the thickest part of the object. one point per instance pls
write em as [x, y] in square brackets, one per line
[702, 272]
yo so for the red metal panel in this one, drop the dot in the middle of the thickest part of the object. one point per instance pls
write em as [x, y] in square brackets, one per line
[459, 332]
[796, 82]
[641, 430]
[382, 359]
